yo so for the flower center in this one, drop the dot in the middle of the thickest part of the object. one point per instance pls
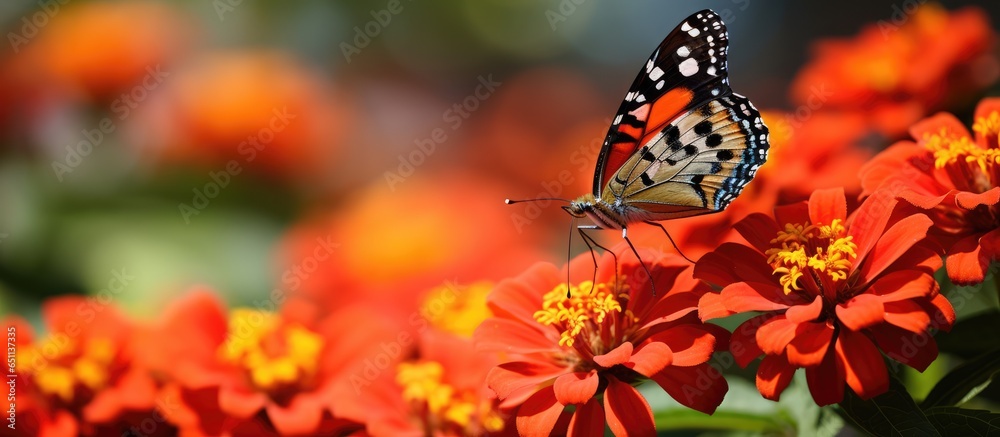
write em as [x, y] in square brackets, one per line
[458, 310]
[825, 252]
[591, 319]
[442, 406]
[989, 128]
[59, 366]
[275, 356]
[949, 148]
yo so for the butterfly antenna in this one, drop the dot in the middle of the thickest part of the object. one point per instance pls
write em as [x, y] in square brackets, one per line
[537, 199]
[671, 240]
[569, 249]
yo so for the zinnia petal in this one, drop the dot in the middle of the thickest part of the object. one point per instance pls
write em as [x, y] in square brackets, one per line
[934, 124]
[576, 387]
[827, 205]
[700, 387]
[627, 412]
[810, 345]
[805, 313]
[917, 350]
[302, 416]
[690, 344]
[965, 265]
[774, 335]
[511, 336]
[743, 343]
[907, 314]
[539, 414]
[894, 243]
[650, 358]
[618, 355]
[588, 420]
[861, 311]
[758, 229]
[863, 365]
[773, 376]
[869, 222]
[826, 381]
[757, 296]
[509, 377]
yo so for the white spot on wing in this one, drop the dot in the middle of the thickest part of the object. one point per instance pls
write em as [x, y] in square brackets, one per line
[685, 27]
[694, 32]
[683, 51]
[656, 74]
[688, 67]
[711, 70]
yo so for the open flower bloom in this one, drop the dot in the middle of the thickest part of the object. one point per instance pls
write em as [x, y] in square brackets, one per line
[833, 291]
[590, 348]
[438, 391]
[256, 372]
[82, 379]
[956, 178]
[898, 70]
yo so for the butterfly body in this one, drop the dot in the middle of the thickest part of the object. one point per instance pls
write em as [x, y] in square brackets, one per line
[682, 143]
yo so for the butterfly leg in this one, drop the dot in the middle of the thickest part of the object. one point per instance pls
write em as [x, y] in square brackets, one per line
[591, 243]
[659, 225]
[649, 275]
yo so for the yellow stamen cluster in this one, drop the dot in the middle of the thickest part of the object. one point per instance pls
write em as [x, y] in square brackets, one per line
[422, 384]
[586, 306]
[250, 333]
[820, 249]
[58, 366]
[988, 126]
[949, 148]
[458, 310]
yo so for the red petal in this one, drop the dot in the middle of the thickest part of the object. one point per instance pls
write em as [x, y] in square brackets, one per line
[964, 263]
[869, 221]
[773, 376]
[650, 358]
[520, 297]
[539, 414]
[743, 343]
[894, 243]
[794, 213]
[969, 201]
[511, 336]
[700, 387]
[863, 365]
[626, 410]
[827, 205]
[903, 285]
[301, 417]
[691, 344]
[62, 424]
[509, 377]
[826, 381]
[907, 314]
[588, 420]
[757, 296]
[774, 335]
[942, 314]
[618, 355]
[915, 350]
[810, 345]
[758, 229]
[241, 403]
[732, 262]
[934, 124]
[805, 313]
[861, 311]
[711, 306]
[576, 387]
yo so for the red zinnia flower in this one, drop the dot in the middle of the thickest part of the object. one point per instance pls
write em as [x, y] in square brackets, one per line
[82, 379]
[834, 292]
[603, 338]
[957, 179]
[898, 70]
[256, 372]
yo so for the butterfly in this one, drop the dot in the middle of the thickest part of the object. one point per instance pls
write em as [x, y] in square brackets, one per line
[682, 143]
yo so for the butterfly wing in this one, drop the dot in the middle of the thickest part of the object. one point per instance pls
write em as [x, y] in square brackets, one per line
[697, 163]
[686, 70]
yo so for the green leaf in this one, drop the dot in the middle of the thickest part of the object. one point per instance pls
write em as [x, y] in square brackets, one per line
[967, 338]
[954, 421]
[722, 420]
[891, 414]
[966, 381]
